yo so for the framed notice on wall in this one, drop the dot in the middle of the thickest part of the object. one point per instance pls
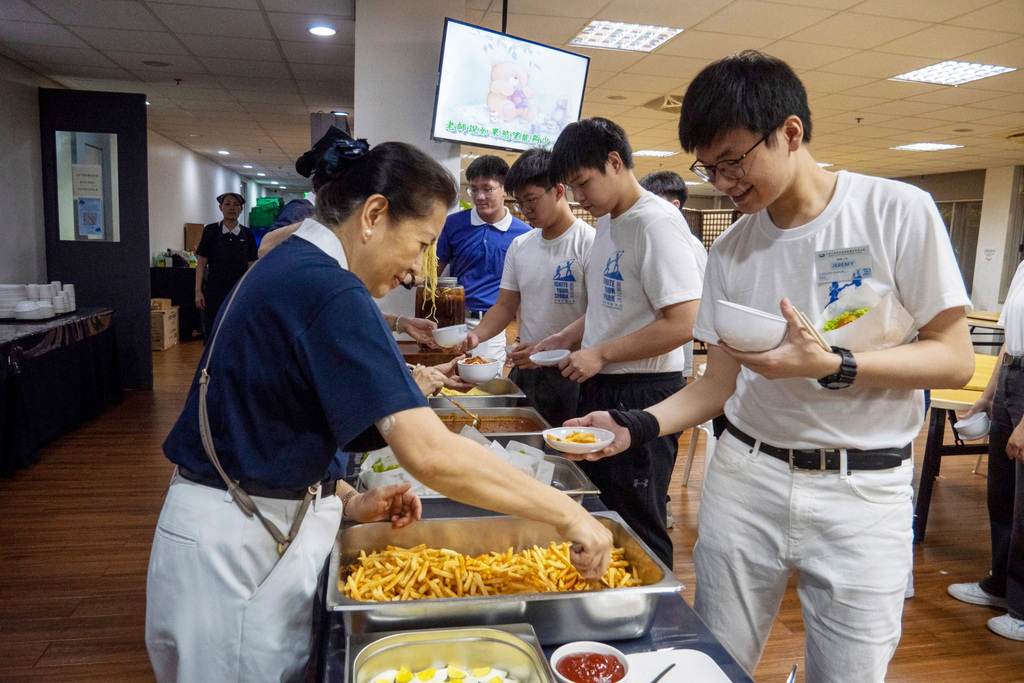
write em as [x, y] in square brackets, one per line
[87, 197]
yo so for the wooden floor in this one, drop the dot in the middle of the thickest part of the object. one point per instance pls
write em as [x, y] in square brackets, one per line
[76, 531]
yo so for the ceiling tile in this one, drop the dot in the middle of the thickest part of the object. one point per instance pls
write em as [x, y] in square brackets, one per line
[474, 16]
[171, 81]
[610, 60]
[817, 82]
[1002, 16]
[280, 98]
[762, 19]
[264, 85]
[191, 93]
[876, 64]
[51, 54]
[893, 90]
[945, 42]
[905, 108]
[296, 27]
[232, 47]
[1008, 103]
[1012, 82]
[845, 102]
[957, 114]
[595, 77]
[31, 33]
[684, 14]
[19, 10]
[340, 88]
[319, 53]
[659, 115]
[951, 96]
[545, 8]
[608, 111]
[179, 64]
[327, 72]
[600, 96]
[205, 106]
[1007, 54]
[245, 67]
[932, 10]
[156, 42]
[212, 21]
[849, 29]
[122, 14]
[1009, 120]
[708, 46]
[645, 83]
[232, 4]
[86, 71]
[825, 4]
[343, 8]
[260, 108]
[552, 30]
[679, 69]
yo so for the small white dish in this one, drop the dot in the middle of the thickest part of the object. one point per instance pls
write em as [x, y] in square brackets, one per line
[586, 647]
[974, 427]
[450, 336]
[478, 372]
[552, 436]
[748, 329]
[549, 358]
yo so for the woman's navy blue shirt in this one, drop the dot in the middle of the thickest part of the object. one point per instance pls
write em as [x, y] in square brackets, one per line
[305, 365]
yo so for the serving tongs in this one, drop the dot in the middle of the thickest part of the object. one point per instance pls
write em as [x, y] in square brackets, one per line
[477, 422]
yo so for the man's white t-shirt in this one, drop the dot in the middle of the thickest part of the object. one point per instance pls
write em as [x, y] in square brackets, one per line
[882, 232]
[644, 261]
[549, 276]
[1013, 311]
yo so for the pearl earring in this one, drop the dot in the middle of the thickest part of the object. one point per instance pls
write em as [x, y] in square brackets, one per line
[369, 232]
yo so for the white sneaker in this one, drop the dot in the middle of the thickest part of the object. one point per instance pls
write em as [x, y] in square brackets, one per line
[974, 594]
[670, 521]
[1007, 627]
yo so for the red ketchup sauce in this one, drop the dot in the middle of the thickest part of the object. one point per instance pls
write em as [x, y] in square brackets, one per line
[590, 667]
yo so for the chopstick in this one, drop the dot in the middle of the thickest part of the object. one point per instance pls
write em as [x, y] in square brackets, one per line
[807, 325]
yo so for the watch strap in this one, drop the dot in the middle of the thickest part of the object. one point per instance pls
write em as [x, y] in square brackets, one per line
[846, 374]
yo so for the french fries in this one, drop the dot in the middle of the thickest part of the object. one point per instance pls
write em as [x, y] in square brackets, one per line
[423, 573]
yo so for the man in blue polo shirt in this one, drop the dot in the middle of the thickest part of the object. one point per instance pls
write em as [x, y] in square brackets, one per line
[474, 243]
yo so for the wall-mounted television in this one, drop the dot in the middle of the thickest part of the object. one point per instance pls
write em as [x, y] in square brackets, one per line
[495, 90]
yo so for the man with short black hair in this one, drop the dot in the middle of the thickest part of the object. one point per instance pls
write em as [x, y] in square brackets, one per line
[813, 473]
[644, 286]
[544, 272]
[474, 243]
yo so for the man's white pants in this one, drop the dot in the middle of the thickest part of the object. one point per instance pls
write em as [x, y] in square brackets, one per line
[849, 538]
[221, 604]
[489, 348]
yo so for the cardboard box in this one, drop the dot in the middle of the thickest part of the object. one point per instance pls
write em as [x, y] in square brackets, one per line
[193, 232]
[163, 328]
[159, 304]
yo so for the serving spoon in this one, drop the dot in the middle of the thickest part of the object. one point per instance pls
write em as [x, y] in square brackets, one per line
[477, 423]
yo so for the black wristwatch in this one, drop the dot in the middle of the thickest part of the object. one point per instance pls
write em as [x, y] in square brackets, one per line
[847, 371]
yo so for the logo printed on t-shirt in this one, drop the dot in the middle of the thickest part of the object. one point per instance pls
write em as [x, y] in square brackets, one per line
[565, 283]
[612, 295]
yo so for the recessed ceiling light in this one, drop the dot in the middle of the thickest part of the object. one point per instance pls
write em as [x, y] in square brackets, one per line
[322, 30]
[147, 103]
[246, 165]
[282, 188]
[824, 165]
[223, 151]
[926, 147]
[153, 62]
[274, 182]
[615, 35]
[261, 174]
[952, 73]
[340, 113]
[653, 153]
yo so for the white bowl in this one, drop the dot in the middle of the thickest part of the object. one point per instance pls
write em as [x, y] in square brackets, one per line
[549, 358]
[478, 372]
[973, 427]
[748, 329]
[450, 336]
[588, 646]
[604, 437]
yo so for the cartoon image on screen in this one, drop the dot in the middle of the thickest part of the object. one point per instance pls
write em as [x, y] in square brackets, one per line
[499, 91]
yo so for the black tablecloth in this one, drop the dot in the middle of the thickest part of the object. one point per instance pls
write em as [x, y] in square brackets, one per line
[179, 285]
[54, 375]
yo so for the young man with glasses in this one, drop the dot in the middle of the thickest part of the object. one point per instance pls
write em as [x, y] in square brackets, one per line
[474, 243]
[813, 473]
[544, 273]
[643, 285]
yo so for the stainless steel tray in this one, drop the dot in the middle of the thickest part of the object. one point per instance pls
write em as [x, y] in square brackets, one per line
[568, 477]
[513, 648]
[532, 438]
[503, 392]
[610, 614]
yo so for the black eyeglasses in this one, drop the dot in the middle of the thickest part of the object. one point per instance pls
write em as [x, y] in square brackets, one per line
[729, 168]
[524, 205]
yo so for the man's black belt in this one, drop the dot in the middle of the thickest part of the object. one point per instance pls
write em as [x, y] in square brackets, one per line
[827, 459]
[1013, 361]
[474, 315]
[256, 489]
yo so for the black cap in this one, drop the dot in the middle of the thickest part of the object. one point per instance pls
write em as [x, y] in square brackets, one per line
[220, 198]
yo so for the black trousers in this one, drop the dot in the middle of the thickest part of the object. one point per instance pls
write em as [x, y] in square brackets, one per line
[634, 483]
[214, 298]
[555, 397]
[1006, 494]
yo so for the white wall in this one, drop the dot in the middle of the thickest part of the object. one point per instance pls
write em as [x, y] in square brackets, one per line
[183, 188]
[992, 236]
[23, 254]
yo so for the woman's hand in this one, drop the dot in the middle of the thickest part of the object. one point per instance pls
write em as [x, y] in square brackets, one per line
[1015, 446]
[601, 420]
[200, 301]
[452, 380]
[420, 329]
[395, 503]
[592, 545]
[429, 380]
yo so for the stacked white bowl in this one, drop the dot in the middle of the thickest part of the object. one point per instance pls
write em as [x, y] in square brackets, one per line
[10, 297]
[69, 292]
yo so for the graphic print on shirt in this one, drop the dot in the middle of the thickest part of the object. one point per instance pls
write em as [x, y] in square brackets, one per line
[565, 283]
[835, 289]
[612, 295]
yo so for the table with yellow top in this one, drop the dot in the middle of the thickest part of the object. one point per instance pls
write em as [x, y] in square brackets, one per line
[985, 323]
[944, 405]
